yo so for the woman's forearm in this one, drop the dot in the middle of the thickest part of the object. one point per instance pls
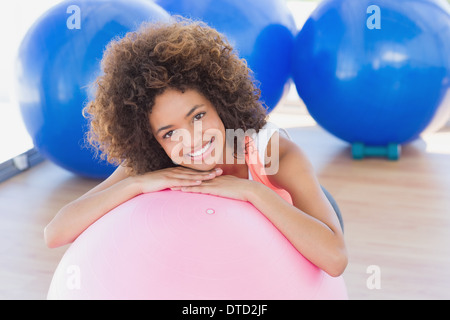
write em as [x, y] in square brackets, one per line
[75, 217]
[311, 237]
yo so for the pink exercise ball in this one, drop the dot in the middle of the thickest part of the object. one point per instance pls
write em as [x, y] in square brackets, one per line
[173, 245]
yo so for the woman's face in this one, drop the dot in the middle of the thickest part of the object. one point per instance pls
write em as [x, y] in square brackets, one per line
[188, 128]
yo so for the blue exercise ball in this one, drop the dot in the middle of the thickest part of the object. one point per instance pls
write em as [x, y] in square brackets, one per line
[58, 59]
[262, 32]
[374, 72]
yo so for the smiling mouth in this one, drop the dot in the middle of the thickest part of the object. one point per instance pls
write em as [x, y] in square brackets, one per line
[202, 150]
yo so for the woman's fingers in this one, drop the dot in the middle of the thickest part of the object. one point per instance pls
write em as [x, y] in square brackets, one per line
[194, 175]
[191, 178]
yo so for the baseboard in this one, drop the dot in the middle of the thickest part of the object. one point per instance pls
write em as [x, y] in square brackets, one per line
[20, 163]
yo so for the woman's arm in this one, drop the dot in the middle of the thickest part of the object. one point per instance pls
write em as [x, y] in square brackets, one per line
[310, 236]
[78, 215]
[311, 224]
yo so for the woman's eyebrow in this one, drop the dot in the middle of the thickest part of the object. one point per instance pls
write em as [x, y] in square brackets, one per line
[187, 115]
[193, 109]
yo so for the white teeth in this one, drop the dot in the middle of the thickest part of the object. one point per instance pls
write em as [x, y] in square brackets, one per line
[199, 152]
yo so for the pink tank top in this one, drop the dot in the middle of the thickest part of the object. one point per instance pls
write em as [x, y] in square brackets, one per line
[254, 158]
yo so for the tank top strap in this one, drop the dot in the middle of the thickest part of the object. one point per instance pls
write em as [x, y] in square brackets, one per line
[255, 156]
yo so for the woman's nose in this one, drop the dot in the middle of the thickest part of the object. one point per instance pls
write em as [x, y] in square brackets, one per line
[192, 139]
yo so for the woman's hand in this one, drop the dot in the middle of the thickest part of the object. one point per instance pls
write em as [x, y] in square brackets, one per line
[174, 177]
[227, 186]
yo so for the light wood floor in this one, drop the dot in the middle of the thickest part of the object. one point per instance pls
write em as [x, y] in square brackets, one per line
[397, 215]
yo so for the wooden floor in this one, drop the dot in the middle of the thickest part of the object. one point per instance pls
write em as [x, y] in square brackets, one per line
[396, 214]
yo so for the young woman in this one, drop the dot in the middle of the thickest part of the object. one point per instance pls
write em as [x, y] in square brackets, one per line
[176, 108]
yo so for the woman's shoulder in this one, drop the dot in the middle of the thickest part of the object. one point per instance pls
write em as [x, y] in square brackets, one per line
[292, 162]
[267, 136]
[270, 128]
[283, 156]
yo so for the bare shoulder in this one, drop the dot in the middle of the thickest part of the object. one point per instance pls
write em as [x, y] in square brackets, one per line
[292, 161]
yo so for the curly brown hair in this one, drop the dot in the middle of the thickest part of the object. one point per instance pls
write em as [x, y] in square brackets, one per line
[181, 54]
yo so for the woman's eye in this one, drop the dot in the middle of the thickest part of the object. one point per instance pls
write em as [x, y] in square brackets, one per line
[168, 134]
[196, 118]
[199, 116]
